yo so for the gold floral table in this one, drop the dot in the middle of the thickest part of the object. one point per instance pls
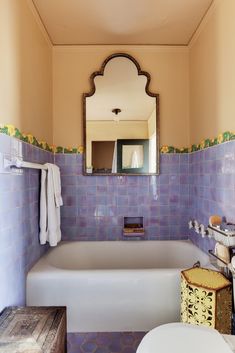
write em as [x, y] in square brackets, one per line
[33, 330]
[206, 299]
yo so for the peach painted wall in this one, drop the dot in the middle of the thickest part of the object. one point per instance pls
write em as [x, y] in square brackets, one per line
[25, 70]
[196, 84]
[212, 73]
[168, 66]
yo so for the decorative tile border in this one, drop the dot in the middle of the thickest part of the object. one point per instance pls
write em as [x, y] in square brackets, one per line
[223, 137]
[172, 149]
[14, 132]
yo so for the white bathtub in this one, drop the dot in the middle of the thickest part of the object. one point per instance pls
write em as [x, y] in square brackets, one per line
[114, 285]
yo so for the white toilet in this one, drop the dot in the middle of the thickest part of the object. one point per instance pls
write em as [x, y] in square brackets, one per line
[185, 338]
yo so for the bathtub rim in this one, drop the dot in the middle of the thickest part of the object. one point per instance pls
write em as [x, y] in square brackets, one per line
[44, 266]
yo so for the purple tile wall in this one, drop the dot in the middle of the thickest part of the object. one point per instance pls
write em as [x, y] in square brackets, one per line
[190, 186]
[94, 206]
[212, 187]
[19, 244]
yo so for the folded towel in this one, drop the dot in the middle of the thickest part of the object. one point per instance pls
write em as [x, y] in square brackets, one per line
[50, 202]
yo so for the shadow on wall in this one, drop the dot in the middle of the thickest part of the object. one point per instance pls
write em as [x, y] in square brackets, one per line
[212, 72]
[26, 68]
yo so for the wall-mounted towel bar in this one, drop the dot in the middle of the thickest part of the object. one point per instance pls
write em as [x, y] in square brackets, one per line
[18, 163]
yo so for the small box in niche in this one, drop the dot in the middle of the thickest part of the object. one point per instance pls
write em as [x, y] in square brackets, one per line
[133, 226]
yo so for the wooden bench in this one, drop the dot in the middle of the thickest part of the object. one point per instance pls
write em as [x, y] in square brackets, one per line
[33, 330]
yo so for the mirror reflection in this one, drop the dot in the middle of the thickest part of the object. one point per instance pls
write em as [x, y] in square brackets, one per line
[132, 156]
[120, 117]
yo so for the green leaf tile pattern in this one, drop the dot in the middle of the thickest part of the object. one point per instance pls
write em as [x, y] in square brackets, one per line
[14, 132]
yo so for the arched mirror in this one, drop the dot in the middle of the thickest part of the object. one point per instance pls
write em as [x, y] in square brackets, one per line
[121, 123]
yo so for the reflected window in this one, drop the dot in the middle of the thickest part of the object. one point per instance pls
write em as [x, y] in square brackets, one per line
[132, 156]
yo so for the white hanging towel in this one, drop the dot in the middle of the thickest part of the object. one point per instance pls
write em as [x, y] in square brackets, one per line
[43, 209]
[50, 202]
[134, 160]
[114, 163]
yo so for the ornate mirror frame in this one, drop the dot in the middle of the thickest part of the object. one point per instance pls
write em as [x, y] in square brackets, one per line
[148, 92]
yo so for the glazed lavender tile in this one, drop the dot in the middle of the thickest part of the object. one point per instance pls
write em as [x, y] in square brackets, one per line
[184, 189]
[164, 159]
[72, 159]
[69, 232]
[69, 211]
[184, 179]
[163, 179]
[61, 159]
[69, 180]
[165, 168]
[174, 179]
[184, 158]
[209, 154]
[155, 221]
[5, 144]
[173, 158]
[143, 190]
[69, 200]
[164, 189]
[174, 199]
[174, 189]
[122, 200]
[101, 180]
[132, 181]
[209, 167]
[67, 169]
[69, 221]
[184, 169]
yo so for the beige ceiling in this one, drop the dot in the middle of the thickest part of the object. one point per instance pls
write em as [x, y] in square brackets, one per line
[169, 22]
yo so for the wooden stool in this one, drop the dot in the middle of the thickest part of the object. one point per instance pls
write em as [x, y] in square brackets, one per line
[33, 330]
[206, 299]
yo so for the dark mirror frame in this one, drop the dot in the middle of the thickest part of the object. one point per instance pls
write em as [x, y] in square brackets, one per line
[148, 92]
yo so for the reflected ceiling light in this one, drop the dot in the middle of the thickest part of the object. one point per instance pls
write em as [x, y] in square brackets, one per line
[116, 111]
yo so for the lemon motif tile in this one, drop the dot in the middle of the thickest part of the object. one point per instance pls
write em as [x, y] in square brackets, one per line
[12, 131]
